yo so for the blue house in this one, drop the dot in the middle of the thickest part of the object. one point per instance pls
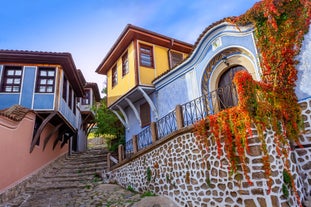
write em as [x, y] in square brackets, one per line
[49, 84]
[202, 79]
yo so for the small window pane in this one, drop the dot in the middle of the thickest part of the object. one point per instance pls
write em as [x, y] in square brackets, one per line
[43, 73]
[15, 88]
[9, 80]
[42, 89]
[10, 72]
[50, 82]
[51, 73]
[43, 81]
[49, 89]
[18, 72]
[8, 88]
[17, 81]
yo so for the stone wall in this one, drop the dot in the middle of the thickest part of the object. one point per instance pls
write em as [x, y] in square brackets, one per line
[194, 177]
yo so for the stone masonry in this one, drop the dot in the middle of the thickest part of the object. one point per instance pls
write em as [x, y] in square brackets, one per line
[194, 177]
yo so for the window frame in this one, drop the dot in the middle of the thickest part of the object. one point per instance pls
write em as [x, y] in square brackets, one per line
[145, 114]
[114, 76]
[125, 64]
[173, 58]
[70, 97]
[146, 50]
[47, 78]
[65, 83]
[6, 76]
[87, 97]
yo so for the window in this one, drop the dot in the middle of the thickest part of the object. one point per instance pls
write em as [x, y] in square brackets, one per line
[74, 104]
[125, 64]
[146, 56]
[65, 88]
[70, 98]
[87, 98]
[45, 80]
[12, 78]
[175, 58]
[145, 114]
[114, 76]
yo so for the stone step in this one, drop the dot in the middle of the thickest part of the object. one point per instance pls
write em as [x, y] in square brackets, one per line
[85, 177]
[85, 159]
[58, 186]
[70, 174]
[79, 165]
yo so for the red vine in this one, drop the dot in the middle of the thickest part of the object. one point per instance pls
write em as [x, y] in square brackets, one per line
[280, 26]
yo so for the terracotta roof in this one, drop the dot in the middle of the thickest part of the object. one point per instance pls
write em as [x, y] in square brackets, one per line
[15, 112]
[38, 57]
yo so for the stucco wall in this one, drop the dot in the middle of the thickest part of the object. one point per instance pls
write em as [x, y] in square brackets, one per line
[303, 89]
[16, 162]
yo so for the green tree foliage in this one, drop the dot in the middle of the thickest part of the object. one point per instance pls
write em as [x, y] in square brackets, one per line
[107, 124]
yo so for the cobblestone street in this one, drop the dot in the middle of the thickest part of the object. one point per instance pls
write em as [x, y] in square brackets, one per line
[75, 181]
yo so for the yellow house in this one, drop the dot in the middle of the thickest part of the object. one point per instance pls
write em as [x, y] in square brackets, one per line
[134, 61]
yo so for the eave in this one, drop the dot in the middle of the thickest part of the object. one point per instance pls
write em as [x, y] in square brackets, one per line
[131, 33]
[34, 57]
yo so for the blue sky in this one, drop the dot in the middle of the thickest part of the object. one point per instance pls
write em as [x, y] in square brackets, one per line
[88, 28]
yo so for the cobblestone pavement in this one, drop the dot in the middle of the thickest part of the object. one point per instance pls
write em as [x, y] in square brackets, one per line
[76, 182]
[99, 195]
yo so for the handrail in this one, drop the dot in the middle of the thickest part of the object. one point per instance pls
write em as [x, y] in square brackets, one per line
[192, 111]
[144, 138]
[166, 124]
[129, 148]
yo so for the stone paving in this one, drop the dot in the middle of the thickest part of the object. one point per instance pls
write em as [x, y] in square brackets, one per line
[76, 182]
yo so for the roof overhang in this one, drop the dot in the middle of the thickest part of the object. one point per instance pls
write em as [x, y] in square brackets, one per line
[133, 95]
[132, 32]
[34, 57]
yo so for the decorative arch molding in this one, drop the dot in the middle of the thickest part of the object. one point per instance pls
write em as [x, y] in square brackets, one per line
[221, 62]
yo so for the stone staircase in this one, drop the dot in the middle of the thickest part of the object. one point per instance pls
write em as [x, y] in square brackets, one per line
[67, 178]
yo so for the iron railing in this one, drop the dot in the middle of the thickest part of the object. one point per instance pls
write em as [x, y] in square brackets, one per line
[166, 124]
[144, 138]
[213, 102]
[193, 111]
[129, 151]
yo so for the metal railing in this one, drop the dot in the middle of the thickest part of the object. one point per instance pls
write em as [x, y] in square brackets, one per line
[213, 102]
[166, 124]
[195, 110]
[129, 151]
[192, 112]
[144, 138]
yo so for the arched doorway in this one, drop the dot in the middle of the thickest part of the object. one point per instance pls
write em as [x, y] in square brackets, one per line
[226, 93]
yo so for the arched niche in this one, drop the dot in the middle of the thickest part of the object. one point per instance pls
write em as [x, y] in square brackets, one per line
[217, 67]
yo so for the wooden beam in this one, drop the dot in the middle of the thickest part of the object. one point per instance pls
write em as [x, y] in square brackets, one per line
[58, 138]
[40, 129]
[89, 129]
[48, 137]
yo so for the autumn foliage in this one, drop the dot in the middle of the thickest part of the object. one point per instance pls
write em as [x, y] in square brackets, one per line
[280, 26]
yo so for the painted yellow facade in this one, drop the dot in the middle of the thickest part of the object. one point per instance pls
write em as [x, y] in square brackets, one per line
[130, 42]
[125, 83]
